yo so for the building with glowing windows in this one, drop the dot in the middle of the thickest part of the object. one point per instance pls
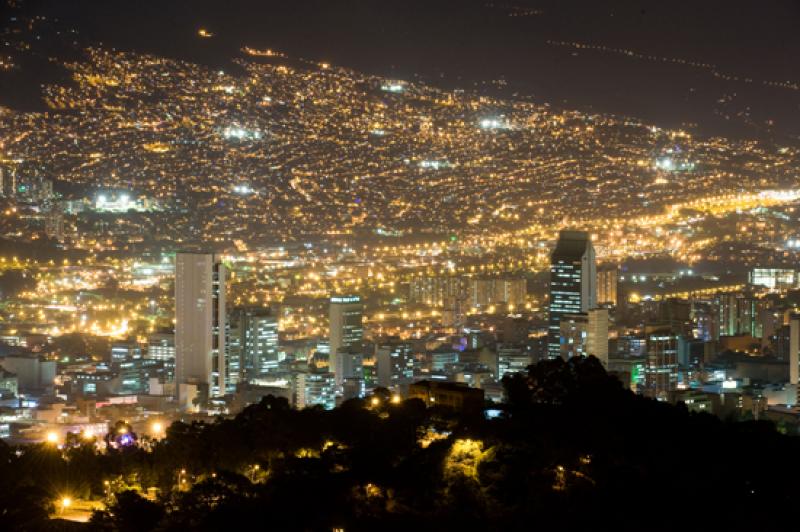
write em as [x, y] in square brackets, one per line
[573, 283]
[199, 327]
[313, 388]
[395, 361]
[739, 314]
[607, 283]
[254, 341]
[774, 278]
[661, 368]
[346, 327]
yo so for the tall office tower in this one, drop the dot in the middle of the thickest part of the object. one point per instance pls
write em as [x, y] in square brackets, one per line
[395, 362]
[794, 352]
[346, 328]
[607, 278]
[573, 283]
[199, 326]
[739, 313]
[256, 330]
[661, 369]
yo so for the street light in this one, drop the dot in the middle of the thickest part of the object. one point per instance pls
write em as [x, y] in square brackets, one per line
[52, 437]
[66, 502]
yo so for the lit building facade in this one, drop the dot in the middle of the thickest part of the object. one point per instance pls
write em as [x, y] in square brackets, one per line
[346, 327]
[607, 285]
[395, 362]
[573, 283]
[256, 341]
[661, 368]
[739, 314]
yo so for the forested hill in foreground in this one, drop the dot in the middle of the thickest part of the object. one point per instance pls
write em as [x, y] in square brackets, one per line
[572, 449]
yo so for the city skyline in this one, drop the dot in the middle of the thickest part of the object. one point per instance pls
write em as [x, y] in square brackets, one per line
[455, 265]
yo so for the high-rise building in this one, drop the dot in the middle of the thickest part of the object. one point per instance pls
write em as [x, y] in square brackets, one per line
[435, 290]
[346, 328]
[607, 279]
[573, 282]
[395, 362]
[739, 314]
[256, 340]
[350, 370]
[511, 291]
[485, 291]
[661, 369]
[585, 334]
[199, 325]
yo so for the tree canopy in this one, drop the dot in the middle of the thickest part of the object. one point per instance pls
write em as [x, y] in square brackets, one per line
[571, 449]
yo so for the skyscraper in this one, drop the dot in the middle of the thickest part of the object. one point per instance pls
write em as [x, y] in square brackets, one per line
[346, 328]
[661, 369]
[199, 326]
[738, 314]
[256, 341]
[573, 282]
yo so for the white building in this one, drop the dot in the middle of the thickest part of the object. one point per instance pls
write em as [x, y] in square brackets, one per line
[346, 328]
[199, 326]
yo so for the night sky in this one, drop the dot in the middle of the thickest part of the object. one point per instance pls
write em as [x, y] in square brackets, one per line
[529, 44]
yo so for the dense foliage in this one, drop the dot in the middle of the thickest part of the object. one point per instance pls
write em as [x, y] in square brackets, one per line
[571, 449]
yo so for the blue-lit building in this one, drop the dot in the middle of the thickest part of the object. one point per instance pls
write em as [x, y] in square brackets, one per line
[573, 283]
